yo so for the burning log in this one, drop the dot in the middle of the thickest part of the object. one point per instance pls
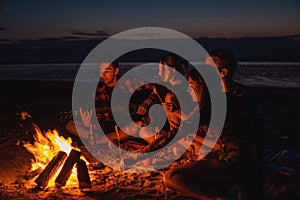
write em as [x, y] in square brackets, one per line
[67, 168]
[50, 170]
[83, 175]
[32, 174]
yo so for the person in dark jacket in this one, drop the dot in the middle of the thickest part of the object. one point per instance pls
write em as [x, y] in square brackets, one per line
[240, 146]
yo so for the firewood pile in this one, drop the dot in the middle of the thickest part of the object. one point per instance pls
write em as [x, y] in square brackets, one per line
[61, 180]
[106, 183]
[105, 180]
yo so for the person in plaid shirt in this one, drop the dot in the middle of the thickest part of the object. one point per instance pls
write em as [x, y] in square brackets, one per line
[103, 98]
[109, 76]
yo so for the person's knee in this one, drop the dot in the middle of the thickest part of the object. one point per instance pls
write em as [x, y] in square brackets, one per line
[146, 135]
[167, 176]
[70, 127]
[172, 178]
[176, 180]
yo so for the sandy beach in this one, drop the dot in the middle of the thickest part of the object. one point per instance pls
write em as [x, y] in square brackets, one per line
[44, 100]
[47, 45]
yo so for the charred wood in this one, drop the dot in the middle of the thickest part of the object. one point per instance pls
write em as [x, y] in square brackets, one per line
[50, 170]
[67, 168]
[83, 175]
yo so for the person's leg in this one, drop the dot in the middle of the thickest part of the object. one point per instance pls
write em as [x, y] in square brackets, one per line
[147, 134]
[200, 179]
[79, 128]
[116, 135]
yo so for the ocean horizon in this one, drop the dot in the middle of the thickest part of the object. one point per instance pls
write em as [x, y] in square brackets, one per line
[257, 74]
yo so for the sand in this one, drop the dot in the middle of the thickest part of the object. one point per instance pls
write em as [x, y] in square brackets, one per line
[44, 100]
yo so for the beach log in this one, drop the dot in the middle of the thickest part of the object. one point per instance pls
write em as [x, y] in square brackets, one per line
[50, 170]
[67, 168]
[83, 175]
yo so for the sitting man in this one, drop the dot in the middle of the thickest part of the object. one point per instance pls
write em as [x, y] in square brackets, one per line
[104, 115]
[238, 160]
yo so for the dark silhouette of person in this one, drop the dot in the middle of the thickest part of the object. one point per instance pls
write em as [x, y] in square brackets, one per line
[240, 146]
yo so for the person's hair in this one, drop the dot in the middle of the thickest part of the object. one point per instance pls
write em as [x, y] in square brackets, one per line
[227, 59]
[195, 76]
[115, 64]
[175, 61]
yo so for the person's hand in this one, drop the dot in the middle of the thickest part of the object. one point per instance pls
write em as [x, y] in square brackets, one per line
[141, 110]
[85, 117]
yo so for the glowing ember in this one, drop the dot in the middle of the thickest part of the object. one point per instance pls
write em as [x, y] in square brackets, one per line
[45, 147]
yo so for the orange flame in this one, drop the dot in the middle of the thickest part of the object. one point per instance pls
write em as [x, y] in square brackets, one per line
[45, 148]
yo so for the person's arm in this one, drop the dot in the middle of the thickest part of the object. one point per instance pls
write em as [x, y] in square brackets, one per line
[142, 109]
[162, 139]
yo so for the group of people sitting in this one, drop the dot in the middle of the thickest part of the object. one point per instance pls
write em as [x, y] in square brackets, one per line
[236, 158]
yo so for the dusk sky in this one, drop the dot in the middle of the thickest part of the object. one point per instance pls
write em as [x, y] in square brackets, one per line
[43, 19]
[35, 23]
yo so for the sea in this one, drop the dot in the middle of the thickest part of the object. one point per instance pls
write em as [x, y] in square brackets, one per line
[257, 74]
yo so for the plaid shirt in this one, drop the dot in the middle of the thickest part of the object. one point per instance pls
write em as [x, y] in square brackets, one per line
[103, 99]
[163, 138]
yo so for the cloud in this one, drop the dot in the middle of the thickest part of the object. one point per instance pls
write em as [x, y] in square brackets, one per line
[2, 28]
[5, 40]
[2, 41]
[94, 33]
[74, 48]
[151, 33]
[70, 38]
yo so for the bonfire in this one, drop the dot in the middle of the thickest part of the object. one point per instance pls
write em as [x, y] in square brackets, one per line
[50, 149]
[52, 154]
